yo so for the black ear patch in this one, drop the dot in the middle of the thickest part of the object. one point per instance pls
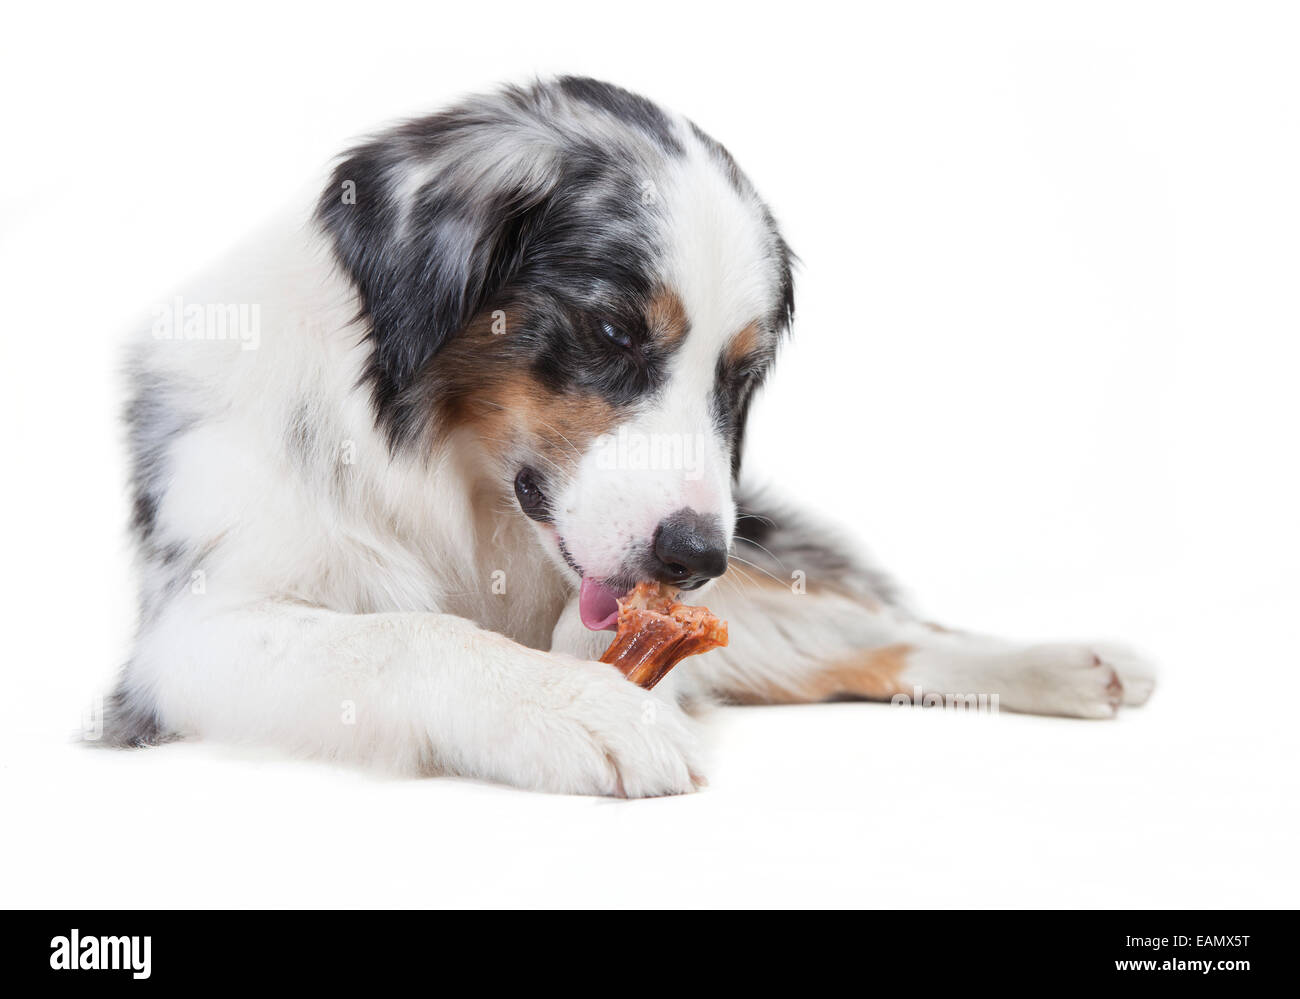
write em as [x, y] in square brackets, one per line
[426, 255]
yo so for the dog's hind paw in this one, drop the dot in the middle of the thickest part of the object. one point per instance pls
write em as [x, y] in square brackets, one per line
[1079, 680]
[1136, 673]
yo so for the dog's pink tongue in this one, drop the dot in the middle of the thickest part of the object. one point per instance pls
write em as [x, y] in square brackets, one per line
[598, 605]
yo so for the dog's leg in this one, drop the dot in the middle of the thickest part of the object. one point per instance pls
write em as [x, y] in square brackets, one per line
[810, 623]
[427, 693]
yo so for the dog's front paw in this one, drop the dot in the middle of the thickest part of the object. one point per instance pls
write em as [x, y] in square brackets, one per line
[596, 733]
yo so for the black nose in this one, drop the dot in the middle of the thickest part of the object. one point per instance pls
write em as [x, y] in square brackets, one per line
[689, 549]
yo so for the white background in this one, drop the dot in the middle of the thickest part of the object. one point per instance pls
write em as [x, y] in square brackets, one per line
[1044, 363]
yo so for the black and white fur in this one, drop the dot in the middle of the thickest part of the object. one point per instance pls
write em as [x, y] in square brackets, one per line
[333, 553]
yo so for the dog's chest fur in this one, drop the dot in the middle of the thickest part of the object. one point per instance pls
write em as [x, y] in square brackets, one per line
[321, 512]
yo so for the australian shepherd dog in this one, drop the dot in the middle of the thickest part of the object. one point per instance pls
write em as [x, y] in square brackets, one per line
[395, 462]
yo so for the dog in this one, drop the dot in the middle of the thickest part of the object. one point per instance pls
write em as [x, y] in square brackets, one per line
[395, 463]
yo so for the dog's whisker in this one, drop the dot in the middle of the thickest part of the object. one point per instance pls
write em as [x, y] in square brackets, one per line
[742, 577]
[498, 440]
[742, 514]
[572, 446]
[755, 565]
[732, 582]
[761, 548]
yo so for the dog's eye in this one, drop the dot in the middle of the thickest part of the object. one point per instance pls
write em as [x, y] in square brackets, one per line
[613, 333]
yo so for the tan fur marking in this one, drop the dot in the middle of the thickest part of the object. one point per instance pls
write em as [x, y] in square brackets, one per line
[557, 425]
[874, 675]
[508, 408]
[743, 344]
[666, 317]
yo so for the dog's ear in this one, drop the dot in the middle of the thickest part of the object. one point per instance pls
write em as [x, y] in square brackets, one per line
[429, 230]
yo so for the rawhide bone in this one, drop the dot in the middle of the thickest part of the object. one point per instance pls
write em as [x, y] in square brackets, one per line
[656, 632]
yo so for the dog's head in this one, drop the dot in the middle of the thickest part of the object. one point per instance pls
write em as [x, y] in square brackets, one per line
[586, 290]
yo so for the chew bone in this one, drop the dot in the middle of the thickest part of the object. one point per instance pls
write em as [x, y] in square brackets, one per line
[656, 632]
